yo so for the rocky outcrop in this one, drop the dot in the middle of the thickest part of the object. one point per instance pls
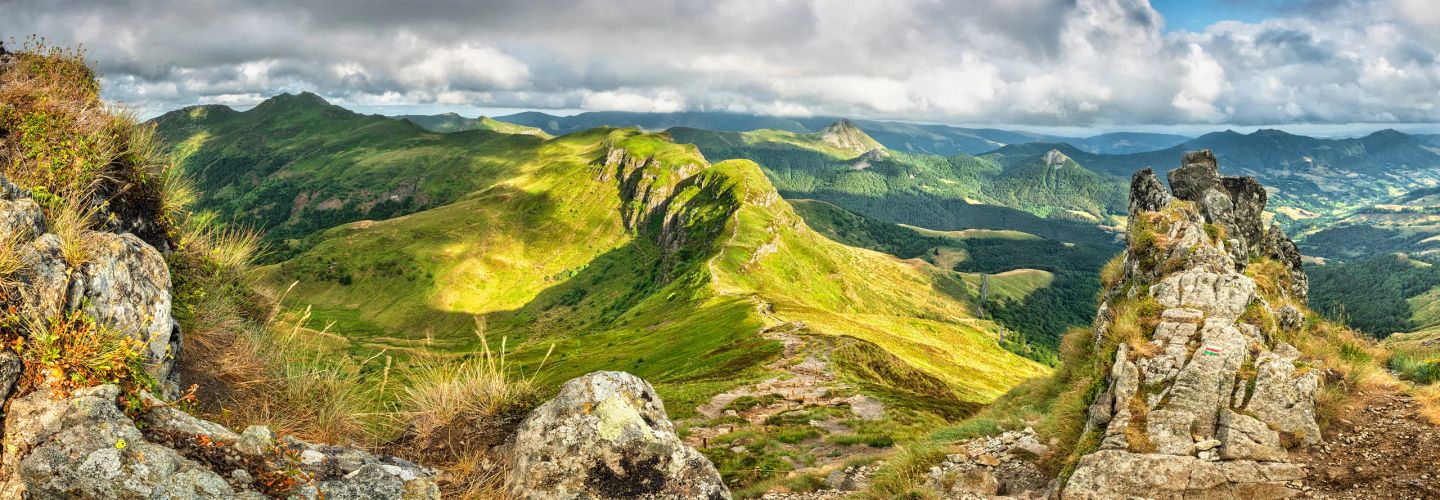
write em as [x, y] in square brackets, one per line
[82, 445]
[644, 183]
[125, 284]
[67, 442]
[1204, 405]
[122, 282]
[606, 435]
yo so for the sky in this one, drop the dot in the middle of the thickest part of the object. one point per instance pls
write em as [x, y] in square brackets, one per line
[1061, 64]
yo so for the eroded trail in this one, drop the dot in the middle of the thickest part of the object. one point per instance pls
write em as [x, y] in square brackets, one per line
[1384, 449]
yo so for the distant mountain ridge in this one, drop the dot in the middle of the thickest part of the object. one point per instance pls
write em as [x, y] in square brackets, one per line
[937, 139]
[453, 122]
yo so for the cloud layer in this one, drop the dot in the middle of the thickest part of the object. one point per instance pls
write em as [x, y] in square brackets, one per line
[1038, 62]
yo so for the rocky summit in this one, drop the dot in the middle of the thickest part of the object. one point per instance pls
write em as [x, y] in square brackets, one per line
[1199, 401]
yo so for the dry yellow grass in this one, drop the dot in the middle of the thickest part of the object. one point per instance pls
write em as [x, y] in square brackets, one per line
[1429, 399]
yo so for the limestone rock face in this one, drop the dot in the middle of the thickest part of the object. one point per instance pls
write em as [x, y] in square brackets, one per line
[1204, 410]
[606, 435]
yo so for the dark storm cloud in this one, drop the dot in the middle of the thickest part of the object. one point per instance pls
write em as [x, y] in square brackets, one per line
[1043, 62]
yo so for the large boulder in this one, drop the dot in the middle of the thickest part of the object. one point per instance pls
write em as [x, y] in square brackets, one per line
[125, 284]
[606, 435]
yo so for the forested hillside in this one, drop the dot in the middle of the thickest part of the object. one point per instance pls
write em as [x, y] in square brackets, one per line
[945, 193]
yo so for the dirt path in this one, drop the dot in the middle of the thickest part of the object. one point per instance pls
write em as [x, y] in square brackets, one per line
[1384, 449]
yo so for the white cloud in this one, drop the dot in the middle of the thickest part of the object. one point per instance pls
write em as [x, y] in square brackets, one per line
[1039, 62]
[665, 101]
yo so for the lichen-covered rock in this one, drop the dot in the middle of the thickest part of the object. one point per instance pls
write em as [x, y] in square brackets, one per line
[1224, 295]
[321, 471]
[606, 435]
[45, 276]
[1187, 416]
[1284, 397]
[21, 221]
[1243, 437]
[1289, 317]
[82, 446]
[1113, 474]
[1147, 194]
[125, 284]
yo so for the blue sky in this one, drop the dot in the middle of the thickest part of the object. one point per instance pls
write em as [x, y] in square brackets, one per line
[1195, 15]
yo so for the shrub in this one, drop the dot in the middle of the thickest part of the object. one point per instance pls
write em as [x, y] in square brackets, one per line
[71, 150]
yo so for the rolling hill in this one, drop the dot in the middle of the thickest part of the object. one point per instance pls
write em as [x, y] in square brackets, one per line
[946, 193]
[296, 164]
[451, 122]
[1037, 287]
[623, 249]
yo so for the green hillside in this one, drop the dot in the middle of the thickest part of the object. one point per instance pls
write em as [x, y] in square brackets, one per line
[948, 193]
[1381, 295]
[296, 164]
[1034, 286]
[623, 249]
[452, 122]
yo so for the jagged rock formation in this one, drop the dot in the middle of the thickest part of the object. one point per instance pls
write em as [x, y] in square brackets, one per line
[62, 443]
[1205, 403]
[606, 435]
[644, 183]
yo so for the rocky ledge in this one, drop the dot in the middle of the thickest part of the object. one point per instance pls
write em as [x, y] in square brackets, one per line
[1207, 403]
[62, 441]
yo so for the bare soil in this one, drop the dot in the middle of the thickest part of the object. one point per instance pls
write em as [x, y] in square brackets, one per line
[1382, 449]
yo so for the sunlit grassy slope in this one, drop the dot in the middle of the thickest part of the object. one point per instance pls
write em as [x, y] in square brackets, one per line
[451, 122]
[296, 164]
[955, 192]
[658, 264]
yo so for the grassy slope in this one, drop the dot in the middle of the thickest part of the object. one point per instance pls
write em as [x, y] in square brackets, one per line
[451, 122]
[544, 256]
[1038, 287]
[295, 164]
[956, 192]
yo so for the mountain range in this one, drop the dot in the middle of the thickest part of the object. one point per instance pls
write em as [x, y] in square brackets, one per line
[937, 139]
[615, 245]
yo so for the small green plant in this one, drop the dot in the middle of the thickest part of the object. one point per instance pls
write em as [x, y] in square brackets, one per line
[1216, 233]
[74, 351]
